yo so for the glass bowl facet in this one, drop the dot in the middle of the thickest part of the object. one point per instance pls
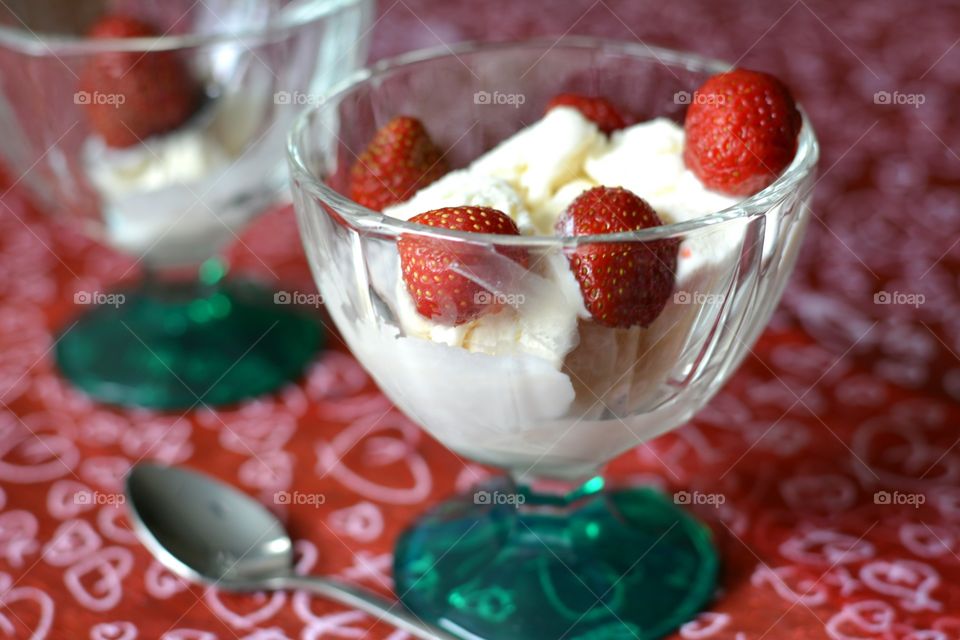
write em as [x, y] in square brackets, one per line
[510, 402]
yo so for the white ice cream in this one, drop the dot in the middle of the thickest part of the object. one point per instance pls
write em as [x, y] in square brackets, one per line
[175, 198]
[538, 384]
[467, 188]
[540, 159]
[647, 159]
[175, 158]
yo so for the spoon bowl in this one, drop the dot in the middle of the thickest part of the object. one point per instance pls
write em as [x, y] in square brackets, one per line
[204, 530]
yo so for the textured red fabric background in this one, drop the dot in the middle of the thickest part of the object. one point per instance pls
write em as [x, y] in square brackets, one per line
[842, 398]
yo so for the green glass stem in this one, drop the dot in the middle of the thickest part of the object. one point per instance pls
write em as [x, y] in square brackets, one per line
[514, 562]
[184, 343]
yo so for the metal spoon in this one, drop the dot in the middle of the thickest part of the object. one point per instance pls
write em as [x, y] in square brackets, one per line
[208, 532]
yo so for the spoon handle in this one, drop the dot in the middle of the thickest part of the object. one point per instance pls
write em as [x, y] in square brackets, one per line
[380, 608]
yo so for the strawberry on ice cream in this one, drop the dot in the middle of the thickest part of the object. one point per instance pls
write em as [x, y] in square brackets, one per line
[150, 92]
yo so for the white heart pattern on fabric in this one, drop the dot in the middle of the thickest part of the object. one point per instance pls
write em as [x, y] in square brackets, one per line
[161, 583]
[305, 556]
[106, 472]
[910, 581]
[10, 596]
[18, 536]
[102, 428]
[928, 541]
[362, 522]
[705, 625]
[385, 449]
[160, 439]
[868, 619]
[829, 492]
[354, 407]
[823, 547]
[335, 375]
[807, 591]
[273, 633]
[106, 570]
[120, 630]
[263, 606]
[269, 470]
[247, 436]
[914, 464]
[110, 523]
[370, 567]
[188, 634]
[345, 624]
[42, 457]
[69, 498]
[73, 540]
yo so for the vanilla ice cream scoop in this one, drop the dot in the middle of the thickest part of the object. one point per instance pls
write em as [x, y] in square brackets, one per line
[646, 158]
[466, 188]
[543, 157]
[174, 198]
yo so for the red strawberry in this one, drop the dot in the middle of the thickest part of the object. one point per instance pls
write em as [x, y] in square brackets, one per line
[598, 110]
[399, 161]
[741, 130]
[622, 283]
[134, 95]
[443, 276]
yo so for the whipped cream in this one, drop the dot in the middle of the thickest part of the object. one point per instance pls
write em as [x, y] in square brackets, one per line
[538, 386]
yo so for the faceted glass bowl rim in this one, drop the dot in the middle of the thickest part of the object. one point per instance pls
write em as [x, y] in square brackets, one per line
[40, 44]
[366, 220]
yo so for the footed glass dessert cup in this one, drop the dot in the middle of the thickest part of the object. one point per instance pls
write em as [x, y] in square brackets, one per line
[550, 549]
[158, 129]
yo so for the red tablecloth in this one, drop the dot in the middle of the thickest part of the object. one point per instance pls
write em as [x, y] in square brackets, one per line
[842, 399]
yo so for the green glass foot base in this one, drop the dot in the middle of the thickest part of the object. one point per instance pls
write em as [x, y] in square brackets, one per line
[175, 346]
[617, 565]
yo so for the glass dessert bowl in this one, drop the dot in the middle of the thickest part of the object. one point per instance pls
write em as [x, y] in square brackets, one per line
[529, 380]
[158, 129]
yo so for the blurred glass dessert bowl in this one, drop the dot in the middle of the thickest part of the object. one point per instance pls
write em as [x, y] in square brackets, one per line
[158, 129]
[528, 372]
